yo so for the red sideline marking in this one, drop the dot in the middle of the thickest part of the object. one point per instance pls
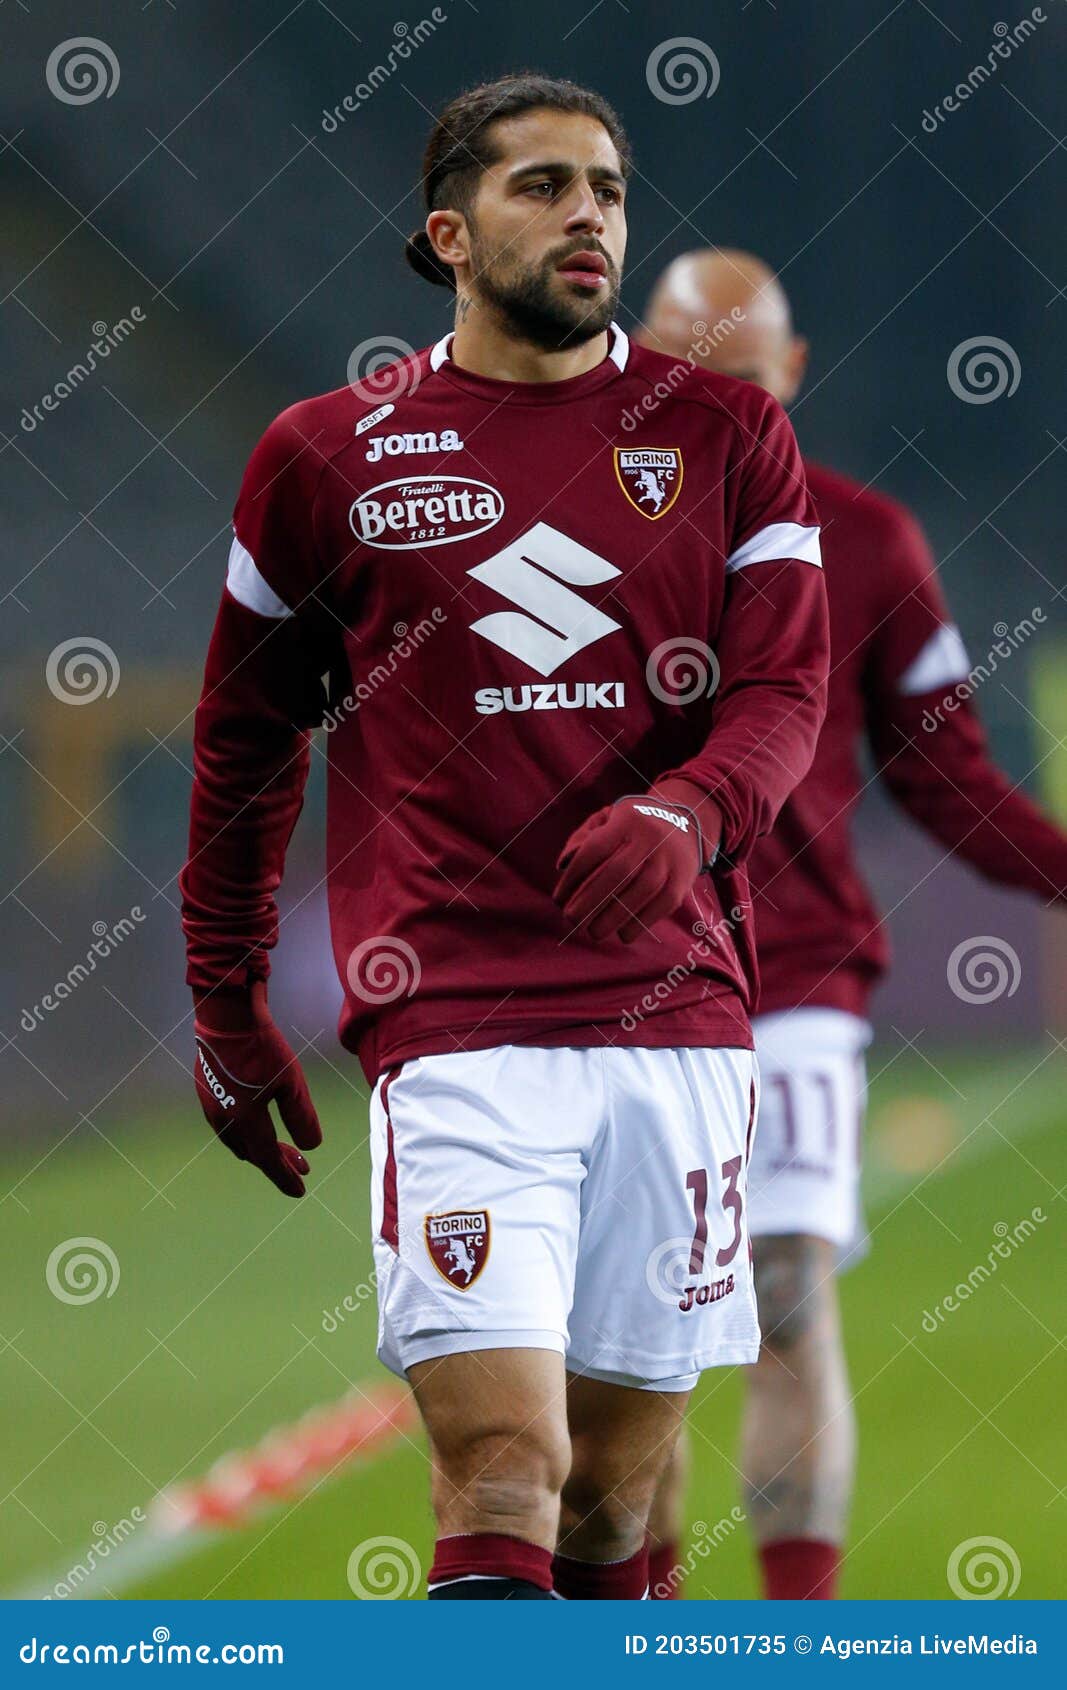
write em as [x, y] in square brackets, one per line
[287, 1461]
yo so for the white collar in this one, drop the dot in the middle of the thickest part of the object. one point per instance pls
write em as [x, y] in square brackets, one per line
[618, 351]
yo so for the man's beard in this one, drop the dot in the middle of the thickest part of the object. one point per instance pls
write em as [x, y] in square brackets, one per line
[532, 310]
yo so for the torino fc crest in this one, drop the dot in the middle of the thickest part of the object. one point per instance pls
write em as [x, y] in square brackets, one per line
[650, 476]
[459, 1245]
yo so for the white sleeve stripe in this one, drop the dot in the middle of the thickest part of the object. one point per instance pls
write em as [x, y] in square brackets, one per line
[776, 543]
[942, 660]
[248, 586]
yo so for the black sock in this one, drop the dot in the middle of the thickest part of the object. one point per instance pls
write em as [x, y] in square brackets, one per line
[490, 1590]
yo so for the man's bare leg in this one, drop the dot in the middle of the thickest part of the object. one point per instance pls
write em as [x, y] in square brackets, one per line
[621, 1442]
[666, 1575]
[798, 1438]
[511, 1477]
[497, 1425]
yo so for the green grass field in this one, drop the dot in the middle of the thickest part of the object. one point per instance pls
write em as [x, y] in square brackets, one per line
[215, 1333]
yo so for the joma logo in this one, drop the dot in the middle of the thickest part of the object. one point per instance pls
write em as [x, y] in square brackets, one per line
[397, 445]
[226, 1098]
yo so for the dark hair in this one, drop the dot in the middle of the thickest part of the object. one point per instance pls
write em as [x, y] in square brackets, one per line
[461, 147]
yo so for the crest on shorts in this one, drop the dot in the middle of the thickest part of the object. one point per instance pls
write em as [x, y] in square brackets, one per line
[650, 476]
[459, 1245]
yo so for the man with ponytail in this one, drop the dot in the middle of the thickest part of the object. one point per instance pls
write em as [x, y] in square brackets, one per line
[537, 835]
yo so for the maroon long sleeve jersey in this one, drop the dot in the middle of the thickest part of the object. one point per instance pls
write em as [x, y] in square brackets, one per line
[530, 601]
[897, 673]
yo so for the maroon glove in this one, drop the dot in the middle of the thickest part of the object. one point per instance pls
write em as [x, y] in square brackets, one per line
[243, 1063]
[633, 862]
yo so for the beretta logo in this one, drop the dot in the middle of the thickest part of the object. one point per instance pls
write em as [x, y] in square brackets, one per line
[427, 511]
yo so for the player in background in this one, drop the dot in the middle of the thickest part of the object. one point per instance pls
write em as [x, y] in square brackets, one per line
[558, 829]
[895, 655]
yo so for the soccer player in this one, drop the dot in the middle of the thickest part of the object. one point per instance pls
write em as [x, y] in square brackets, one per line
[895, 655]
[542, 931]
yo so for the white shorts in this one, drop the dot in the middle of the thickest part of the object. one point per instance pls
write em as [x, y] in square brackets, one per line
[587, 1201]
[805, 1166]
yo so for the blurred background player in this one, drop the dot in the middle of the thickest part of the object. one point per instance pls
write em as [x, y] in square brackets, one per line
[895, 654]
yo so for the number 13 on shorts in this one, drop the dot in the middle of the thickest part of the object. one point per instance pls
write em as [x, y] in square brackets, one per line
[697, 1295]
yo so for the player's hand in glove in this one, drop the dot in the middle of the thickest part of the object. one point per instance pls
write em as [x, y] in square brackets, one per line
[244, 1063]
[633, 862]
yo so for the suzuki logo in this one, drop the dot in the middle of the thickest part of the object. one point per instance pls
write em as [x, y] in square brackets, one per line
[530, 573]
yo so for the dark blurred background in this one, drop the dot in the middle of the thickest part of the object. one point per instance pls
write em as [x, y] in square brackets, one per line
[232, 249]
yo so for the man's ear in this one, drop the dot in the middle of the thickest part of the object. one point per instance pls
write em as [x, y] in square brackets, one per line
[796, 365]
[449, 238]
